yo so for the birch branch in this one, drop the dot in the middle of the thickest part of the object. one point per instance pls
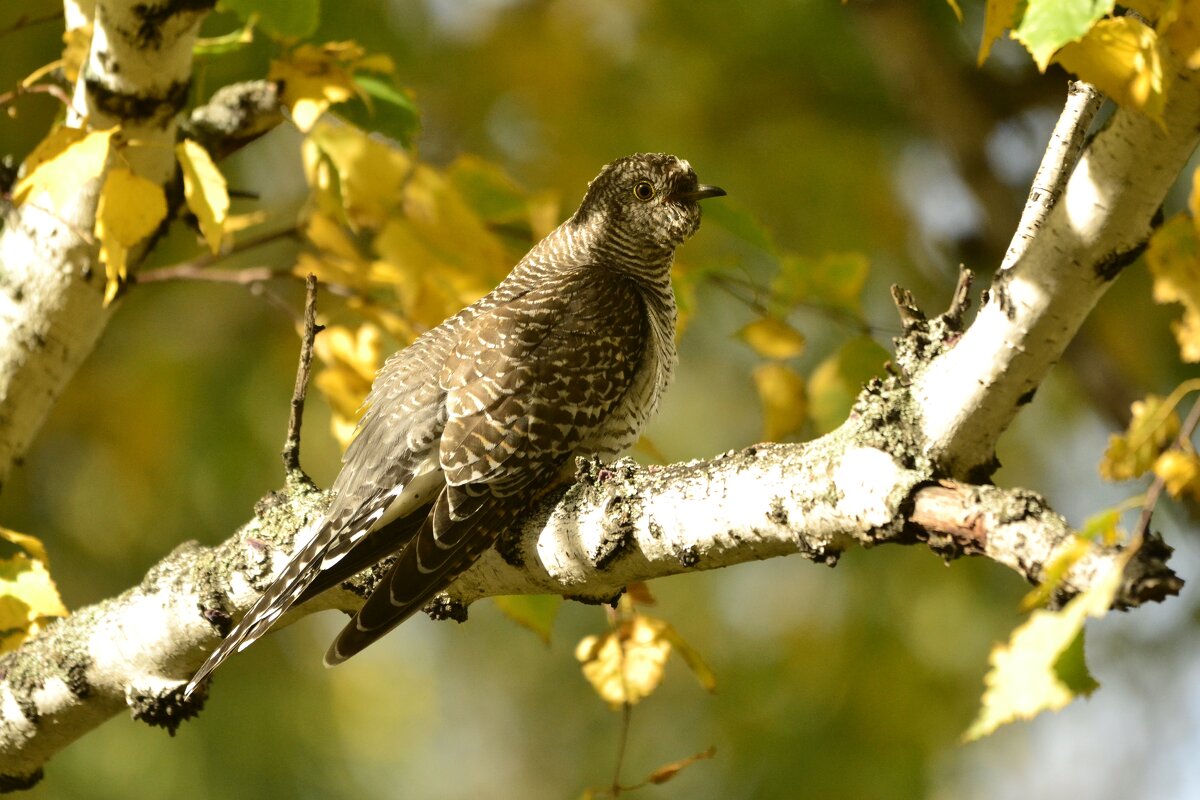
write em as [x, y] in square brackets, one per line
[1066, 144]
[618, 524]
[51, 283]
[970, 394]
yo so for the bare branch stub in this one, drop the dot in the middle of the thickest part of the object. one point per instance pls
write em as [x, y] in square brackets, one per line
[291, 445]
[906, 307]
[235, 116]
[961, 302]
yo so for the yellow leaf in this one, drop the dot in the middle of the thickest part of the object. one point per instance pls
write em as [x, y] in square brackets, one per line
[1180, 471]
[1055, 571]
[325, 196]
[351, 360]
[834, 281]
[337, 261]
[646, 446]
[130, 209]
[204, 189]
[691, 656]
[1040, 668]
[773, 338]
[77, 42]
[370, 172]
[998, 16]
[60, 164]
[312, 81]
[377, 62]
[1152, 427]
[30, 544]
[638, 594]
[955, 8]
[836, 382]
[443, 245]
[318, 76]
[1180, 26]
[55, 142]
[1174, 260]
[625, 665]
[536, 612]
[28, 596]
[1121, 57]
[390, 322]
[668, 771]
[784, 401]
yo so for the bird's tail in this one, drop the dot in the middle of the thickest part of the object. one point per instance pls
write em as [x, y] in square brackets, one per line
[281, 595]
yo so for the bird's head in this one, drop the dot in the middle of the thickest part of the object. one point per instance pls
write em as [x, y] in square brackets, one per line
[646, 201]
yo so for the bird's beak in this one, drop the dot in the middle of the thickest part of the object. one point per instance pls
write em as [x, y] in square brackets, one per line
[701, 192]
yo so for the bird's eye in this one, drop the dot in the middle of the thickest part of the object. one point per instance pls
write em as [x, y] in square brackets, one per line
[643, 191]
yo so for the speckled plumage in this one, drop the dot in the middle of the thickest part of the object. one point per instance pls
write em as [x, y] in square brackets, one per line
[568, 356]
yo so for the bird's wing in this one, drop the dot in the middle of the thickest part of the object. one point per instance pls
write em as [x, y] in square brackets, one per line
[527, 383]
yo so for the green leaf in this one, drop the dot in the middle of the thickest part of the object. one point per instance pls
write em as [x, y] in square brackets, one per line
[1101, 526]
[230, 42]
[488, 190]
[285, 19]
[386, 92]
[834, 281]
[536, 612]
[1050, 24]
[1071, 668]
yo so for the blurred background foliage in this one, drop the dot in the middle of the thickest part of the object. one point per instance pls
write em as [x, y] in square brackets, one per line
[861, 129]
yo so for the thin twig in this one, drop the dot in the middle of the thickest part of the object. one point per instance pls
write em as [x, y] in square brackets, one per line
[27, 21]
[622, 745]
[189, 270]
[291, 445]
[1062, 153]
[1160, 483]
[51, 89]
[734, 286]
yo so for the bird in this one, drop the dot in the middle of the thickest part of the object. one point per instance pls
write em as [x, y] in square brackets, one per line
[568, 356]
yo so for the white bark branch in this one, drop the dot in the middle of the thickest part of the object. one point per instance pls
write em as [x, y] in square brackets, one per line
[619, 524]
[1066, 143]
[1101, 222]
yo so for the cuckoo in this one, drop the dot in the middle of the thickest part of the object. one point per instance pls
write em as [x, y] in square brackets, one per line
[568, 356]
